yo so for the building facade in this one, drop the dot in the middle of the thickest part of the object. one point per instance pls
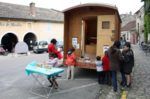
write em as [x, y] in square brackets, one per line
[126, 18]
[128, 32]
[28, 24]
[140, 24]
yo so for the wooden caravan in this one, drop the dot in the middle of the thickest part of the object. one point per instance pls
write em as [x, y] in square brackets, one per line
[91, 29]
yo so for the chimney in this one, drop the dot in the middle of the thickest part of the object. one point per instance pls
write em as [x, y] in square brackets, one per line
[32, 9]
[130, 13]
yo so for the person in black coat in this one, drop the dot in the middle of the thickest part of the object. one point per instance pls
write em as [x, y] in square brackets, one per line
[128, 62]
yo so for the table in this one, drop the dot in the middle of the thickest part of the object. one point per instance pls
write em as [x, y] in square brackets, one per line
[32, 69]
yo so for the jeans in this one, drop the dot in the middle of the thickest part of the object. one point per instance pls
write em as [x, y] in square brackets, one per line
[114, 80]
[100, 77]
[123, 82]
[107, 77]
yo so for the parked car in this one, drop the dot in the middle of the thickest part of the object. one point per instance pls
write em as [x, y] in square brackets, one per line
[40, 47]
[3, 51]
[59, 44]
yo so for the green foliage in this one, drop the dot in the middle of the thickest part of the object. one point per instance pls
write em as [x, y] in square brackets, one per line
[146, 19]
[146, 26]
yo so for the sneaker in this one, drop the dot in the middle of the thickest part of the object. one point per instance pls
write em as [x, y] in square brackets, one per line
[128, 86]
[122, 84]
[50, 85]
[115, 90]
[56, 87]
[58, 76]
[109, 84]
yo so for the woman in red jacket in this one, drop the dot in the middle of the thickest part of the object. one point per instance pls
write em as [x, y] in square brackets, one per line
[106, 69]
[52, 49]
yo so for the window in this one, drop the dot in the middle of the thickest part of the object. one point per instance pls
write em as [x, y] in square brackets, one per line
[105, 25]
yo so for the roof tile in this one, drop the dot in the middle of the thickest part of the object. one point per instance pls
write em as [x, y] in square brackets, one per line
[15, 11]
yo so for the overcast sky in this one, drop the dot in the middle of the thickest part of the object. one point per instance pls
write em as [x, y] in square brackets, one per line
[124, 6]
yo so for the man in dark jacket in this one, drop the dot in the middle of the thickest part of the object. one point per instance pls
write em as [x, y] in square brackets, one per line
[114, 58]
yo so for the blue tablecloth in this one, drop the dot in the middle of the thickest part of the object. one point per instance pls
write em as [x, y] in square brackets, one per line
[32, 68]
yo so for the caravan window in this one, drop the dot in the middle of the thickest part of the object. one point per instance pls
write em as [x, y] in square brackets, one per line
[105, 25]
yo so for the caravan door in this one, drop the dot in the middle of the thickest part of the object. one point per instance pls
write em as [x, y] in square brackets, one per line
[105, 33]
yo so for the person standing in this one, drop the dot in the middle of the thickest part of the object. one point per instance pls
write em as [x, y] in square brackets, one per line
[123, 81]
[128, 62]
[106, 68]
[53, 50]
[99, 69]
[70, 62]
[114, 57]
[122, 43]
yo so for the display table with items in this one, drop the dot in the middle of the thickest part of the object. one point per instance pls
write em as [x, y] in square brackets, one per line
[36, 70]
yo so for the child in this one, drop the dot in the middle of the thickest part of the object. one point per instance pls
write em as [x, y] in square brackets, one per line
[106, 69]
[99, 69]
[70, 62]
[53, 61]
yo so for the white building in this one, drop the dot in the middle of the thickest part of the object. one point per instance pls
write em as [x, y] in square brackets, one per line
[140, 23]
[29, 24]
[128, 32]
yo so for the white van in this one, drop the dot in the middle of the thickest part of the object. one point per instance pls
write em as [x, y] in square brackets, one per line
[40, 47]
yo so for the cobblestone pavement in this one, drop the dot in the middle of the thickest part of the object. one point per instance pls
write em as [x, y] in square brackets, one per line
[141, 79]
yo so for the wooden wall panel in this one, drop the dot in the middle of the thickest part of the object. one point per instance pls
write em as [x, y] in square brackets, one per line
[104, 35]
